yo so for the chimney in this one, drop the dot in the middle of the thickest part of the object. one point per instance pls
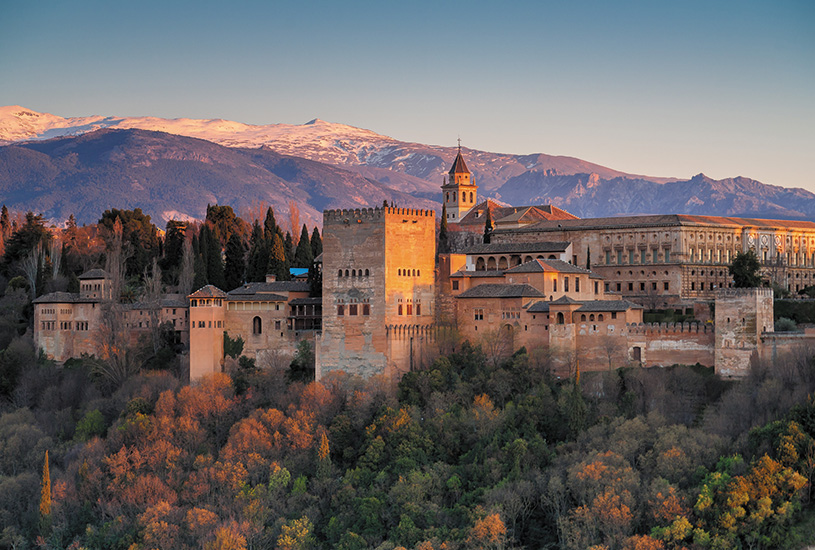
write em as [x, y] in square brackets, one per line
[271, 277]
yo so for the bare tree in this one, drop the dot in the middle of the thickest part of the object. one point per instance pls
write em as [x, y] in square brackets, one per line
[55, 253]
[151, 298]
[614, 350]
[294, 221]
[497, 343]
[31, 266]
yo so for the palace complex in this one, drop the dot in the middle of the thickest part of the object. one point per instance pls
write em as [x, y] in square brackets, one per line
[545, 279]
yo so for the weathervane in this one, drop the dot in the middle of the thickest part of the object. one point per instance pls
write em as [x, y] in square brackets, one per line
[459, 144]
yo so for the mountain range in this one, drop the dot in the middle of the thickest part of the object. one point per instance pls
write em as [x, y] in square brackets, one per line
[173, 168]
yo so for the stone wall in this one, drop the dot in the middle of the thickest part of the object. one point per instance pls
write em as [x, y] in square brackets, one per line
[742, 316]
[378, 271]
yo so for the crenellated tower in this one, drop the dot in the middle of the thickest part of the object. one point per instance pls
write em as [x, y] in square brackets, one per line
[459, 191]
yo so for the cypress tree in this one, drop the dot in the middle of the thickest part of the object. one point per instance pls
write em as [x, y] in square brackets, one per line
[288, 246]
[258, 255]
[588, 258]
[487, 224]
[316, 243]
[277, 259]
[215, 265]
[444, 243]
[269, 226]
[235, 266]
[303, 256]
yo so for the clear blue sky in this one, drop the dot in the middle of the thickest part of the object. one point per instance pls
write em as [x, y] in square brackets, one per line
[659, 88]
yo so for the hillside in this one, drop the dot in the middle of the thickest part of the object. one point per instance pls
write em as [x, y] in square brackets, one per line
[409, 173]
[173, 176]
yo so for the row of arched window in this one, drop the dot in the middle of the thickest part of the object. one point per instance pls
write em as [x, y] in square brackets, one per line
[353, 273]
[409, 272]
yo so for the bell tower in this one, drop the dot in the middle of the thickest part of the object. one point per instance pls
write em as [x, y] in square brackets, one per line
[459, 191]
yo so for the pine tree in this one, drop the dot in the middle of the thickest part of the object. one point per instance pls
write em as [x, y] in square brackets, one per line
[444, 243]
[316, 243]
[5, 225]
[315, 281]
[303, 256]
[235, 266]
[487, 224]
[277, 259]
[45, 497]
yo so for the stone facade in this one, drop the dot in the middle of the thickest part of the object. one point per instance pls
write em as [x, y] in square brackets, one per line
[743, 315]
[378, 290]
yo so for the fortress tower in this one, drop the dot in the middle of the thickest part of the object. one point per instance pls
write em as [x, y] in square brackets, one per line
[378, 290]
[459, 190]
[743, 315]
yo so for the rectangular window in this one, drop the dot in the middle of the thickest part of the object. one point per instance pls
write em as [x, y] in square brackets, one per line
[352, 309]
[410, 309]
[455, 285]
[577, 284]
[630, 287]
[366, 309]
[418, 309]
[667, 255]
[574, 259]
[554, 285]
[653, 286]
[642, 256]
[479, 314]
[642, 286]
[341, 310]
[277, 325]
[400, 309]
[619, 256]
[565, 284]
[596, 287]
[613, 314]
[631, 256]
[693, 286]
[619, 287]
[608, 257]
[666, 285]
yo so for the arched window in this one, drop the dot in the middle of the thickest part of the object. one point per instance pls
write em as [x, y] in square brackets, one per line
[367, 273]
[353, 273]
[600, 317]
[339, 273]
[591, 317]
[414, 272]
[559, 318]
[471, 196]
[346, 273]
[480, 265]
[463, 196]
[583, 317]
[257, 326]
[399, 272]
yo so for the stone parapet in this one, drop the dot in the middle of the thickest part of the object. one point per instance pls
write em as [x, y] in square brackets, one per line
[667, 328]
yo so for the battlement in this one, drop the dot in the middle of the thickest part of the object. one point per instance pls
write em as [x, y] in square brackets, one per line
[742, 292]
[670, 328]
[358, 215]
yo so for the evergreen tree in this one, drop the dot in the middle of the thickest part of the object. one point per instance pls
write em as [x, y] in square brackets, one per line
[745, 270]
[303, 256]
[235, 266]
[315, 281]
[277, 259]
[173, 250]
[269, 227]
[258, 255]
[588, 258]
[444, 243]
[288, 246]
[5, 223]
[487, 224]
[214, 263]
[316, 243]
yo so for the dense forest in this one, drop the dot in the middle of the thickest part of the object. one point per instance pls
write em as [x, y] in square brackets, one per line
[476, 451]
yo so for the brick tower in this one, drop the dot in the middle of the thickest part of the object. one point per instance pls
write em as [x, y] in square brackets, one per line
[459, 190]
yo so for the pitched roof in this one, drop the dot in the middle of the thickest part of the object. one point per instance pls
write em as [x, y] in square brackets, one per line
[64, 298]
[541, 306]
[660, 220]
[94, 274]
[565, 300]
[306, 301]
[503, 213]
[267, 292]
[609, 305]
[495, 290]
[518, 248]
[459, 167]
[490, 273]
[208, 291]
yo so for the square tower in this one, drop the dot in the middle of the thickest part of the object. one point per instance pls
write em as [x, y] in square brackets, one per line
[459, 191]
[378, 290]
[742, 316]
